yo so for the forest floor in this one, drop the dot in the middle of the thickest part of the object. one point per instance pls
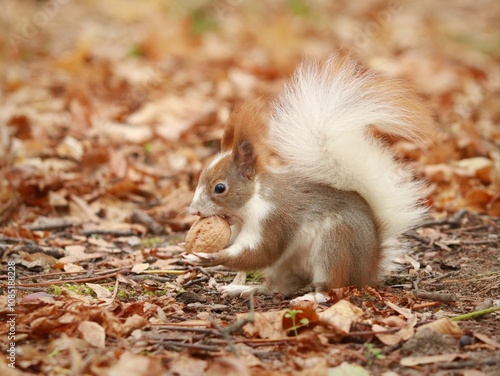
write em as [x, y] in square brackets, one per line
[109, 111]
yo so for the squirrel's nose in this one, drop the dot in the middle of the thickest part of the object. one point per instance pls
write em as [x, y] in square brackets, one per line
[193, 211]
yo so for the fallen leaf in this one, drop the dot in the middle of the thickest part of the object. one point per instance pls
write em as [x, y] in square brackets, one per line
[229, 366]
[136, 365]
[71, 268]
[389, 339]
[347, 369]
[93, 333]
[444, 326]
[405, 312]
[340, 316]
[299, 317]
[267, 325]
[486, 339]
[38, 297]
[411, 361]
[139, 268]
[184, 365]
[101, 292]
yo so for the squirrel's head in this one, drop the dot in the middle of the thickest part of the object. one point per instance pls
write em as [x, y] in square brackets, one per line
[226, 184]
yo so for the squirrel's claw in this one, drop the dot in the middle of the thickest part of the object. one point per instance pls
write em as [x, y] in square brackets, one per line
[200, 259]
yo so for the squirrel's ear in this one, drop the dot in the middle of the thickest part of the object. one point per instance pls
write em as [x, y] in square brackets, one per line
[245, 159]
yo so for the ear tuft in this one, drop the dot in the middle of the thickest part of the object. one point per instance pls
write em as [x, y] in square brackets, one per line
[245, 159]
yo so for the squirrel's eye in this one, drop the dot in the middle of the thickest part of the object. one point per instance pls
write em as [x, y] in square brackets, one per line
[220, 188]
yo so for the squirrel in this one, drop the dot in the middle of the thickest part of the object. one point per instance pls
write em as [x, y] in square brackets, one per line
[313, 197]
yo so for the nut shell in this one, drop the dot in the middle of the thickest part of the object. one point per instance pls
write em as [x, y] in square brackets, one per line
[209, 235]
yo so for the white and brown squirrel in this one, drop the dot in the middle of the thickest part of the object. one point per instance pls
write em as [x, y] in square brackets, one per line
[312, 196]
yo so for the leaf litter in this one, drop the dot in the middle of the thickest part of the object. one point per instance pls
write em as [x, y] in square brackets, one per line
[105, 128]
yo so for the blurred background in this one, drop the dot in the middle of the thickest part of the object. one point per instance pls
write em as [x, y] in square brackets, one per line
[119, 102]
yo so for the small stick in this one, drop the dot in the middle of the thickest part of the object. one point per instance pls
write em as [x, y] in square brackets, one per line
[453, 221]
[68, 273]
[10, 239]
[475, 314]
[63, 281]
[469, 364]
[425, 305]
[439, 296]
[101, 231]
[50, 225]
[236, 326]
[196, 281]
[185, 329]
[174, 345]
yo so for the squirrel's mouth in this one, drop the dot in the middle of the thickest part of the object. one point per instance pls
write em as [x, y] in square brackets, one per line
[228, 219]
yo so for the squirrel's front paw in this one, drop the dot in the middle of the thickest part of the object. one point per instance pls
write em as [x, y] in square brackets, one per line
[200, 258]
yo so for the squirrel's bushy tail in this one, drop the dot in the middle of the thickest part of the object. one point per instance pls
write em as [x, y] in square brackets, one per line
[320, 124]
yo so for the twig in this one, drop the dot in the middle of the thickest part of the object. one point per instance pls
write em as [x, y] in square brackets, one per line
[203, 271]
[115, 290]
[260, 342]
[236, 326]
[68, 273]
[443, 276]
[479, 242]
[164, 271]
[102, 231]
[425, 305]
[50, 224]
[34, 248]
[469, 364]
[439, 296]
[389, 349]
[453, 221]
[465, 229]
[371, 332]
[186, 329]
[196, 281]
[227, 337]
[475, 314]
[175, 345]
[10, 239]
[63, 281]
[415, 236]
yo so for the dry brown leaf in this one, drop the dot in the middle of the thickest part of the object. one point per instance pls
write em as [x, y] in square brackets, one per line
[139, 268]
[411, 361]
[76, 253]
[444, 326]
[405, 312]
[486, 340]
[136, 365]
[93, 333]
[266, 325]
[229, 366]
[405, 332]
[303, 316]
[101, 292]
[340, 316]
[184, 365]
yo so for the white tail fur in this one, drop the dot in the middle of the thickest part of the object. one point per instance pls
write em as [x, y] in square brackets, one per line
[319, 124]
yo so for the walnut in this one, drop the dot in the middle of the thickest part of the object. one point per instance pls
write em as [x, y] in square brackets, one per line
[210, 234]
